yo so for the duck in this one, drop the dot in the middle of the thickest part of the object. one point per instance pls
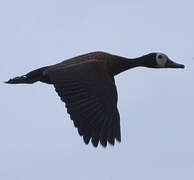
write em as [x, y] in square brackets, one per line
[86, 84]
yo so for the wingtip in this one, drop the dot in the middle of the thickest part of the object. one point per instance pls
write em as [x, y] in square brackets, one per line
[95, 142]
[118, 140]
[102, 143]
[86, 139]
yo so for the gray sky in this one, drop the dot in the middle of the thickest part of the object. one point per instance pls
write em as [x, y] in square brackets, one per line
[37, 138]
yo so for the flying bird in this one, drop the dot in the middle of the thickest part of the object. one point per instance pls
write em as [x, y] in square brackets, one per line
[86, 85]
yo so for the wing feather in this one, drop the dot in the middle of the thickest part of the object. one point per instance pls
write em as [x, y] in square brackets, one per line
[91, 100]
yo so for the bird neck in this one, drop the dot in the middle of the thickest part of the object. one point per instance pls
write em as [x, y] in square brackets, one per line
[121, 64]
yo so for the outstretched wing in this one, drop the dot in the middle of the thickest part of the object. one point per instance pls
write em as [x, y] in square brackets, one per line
[91, 99]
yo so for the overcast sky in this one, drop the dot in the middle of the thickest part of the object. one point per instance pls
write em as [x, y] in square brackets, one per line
[38, 140]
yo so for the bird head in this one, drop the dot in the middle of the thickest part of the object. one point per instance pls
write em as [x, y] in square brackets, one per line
[160, 60]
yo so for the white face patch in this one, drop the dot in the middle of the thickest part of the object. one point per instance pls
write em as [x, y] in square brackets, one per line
[161, 60]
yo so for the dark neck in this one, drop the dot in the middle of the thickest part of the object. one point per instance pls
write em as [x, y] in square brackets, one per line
[121, 64]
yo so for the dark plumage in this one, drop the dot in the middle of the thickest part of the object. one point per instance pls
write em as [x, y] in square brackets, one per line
[86, 84]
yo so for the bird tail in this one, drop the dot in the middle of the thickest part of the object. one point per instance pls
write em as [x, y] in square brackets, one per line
[29, 78]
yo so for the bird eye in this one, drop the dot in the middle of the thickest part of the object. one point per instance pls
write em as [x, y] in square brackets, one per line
[160, 56]
[161, 60]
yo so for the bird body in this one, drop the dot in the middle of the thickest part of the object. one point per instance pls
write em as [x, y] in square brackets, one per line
[86, 84]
